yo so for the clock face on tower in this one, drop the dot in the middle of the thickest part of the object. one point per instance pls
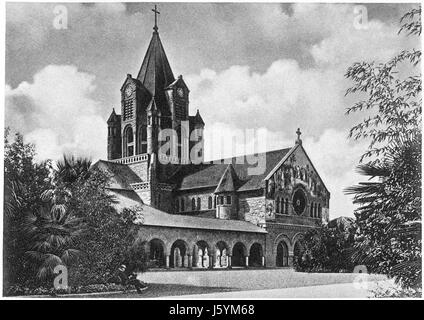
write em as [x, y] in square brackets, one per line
[128, 91]
[180, 92]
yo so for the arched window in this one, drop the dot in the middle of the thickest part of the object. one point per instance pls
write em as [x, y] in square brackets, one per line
[142, 137]
[311, 214]
[199, 204]
[128, 142]
[282, 205]
[315, 210]
[214, 202]
[182, 205]
[277, 205]
[210, 202]
[287, 206]
[193, 204]
[319, 211]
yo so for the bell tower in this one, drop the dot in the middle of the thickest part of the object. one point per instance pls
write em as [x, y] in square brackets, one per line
[151, 102]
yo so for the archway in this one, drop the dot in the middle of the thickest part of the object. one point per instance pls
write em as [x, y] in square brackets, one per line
[282, 259]
[239, 254]
[255, 255]
[201, 254]
[128, 141]
[157, 254]
[178, 254]
[221, 255]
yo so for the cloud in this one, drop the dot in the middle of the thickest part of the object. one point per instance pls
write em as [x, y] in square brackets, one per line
[56, 111]
[284, 96]
[335, 159]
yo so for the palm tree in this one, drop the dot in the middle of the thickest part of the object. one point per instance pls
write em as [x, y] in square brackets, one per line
[53, 229]
[68, 171]
[389, 213]
[52, 239]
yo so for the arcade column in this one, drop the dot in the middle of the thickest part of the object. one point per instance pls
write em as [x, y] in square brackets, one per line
[167, 261]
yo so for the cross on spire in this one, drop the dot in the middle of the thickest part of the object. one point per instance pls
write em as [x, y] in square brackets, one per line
[155, 10]
[298, 140]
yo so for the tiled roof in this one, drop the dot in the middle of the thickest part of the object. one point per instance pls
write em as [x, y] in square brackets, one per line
[209, 175]
[154, 217]
[121, 176]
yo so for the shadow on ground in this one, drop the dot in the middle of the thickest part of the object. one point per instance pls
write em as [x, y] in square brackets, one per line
[161, 290]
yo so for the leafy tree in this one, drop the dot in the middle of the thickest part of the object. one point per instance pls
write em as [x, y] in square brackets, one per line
[326, 248]
[81, 191]
[24, 181]
[389, 217]
[393, 103]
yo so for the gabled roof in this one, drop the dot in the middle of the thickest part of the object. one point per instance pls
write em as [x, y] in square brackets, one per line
[228, 181]
[155, 73]
[286, 157]
[208, 175]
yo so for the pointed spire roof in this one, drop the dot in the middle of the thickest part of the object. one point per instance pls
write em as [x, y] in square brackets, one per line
[113, 117]
[155, 72]
[228, 181]
[198, 118]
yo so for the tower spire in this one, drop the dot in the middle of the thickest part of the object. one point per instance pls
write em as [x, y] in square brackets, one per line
[155, 10]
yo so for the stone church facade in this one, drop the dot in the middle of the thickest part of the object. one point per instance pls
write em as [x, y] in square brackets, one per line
[203, 215]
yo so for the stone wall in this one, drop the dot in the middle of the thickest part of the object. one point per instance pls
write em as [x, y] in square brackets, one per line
[287, 233]
[252, 208]
[188, 196]
[140, 169]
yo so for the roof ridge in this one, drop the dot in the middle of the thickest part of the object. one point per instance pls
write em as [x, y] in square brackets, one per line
[245, 155]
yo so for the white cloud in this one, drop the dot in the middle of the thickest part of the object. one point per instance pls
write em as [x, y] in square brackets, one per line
[336, 159]
[57, 113]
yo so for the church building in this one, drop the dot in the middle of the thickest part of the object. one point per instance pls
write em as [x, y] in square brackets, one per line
[203, 215]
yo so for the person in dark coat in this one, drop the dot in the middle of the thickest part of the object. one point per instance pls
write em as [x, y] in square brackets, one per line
[130, 279]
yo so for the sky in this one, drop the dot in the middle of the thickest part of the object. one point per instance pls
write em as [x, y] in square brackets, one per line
[264, 67]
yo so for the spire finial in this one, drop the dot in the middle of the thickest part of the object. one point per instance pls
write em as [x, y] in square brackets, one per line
[155, 10]
[298, 140]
